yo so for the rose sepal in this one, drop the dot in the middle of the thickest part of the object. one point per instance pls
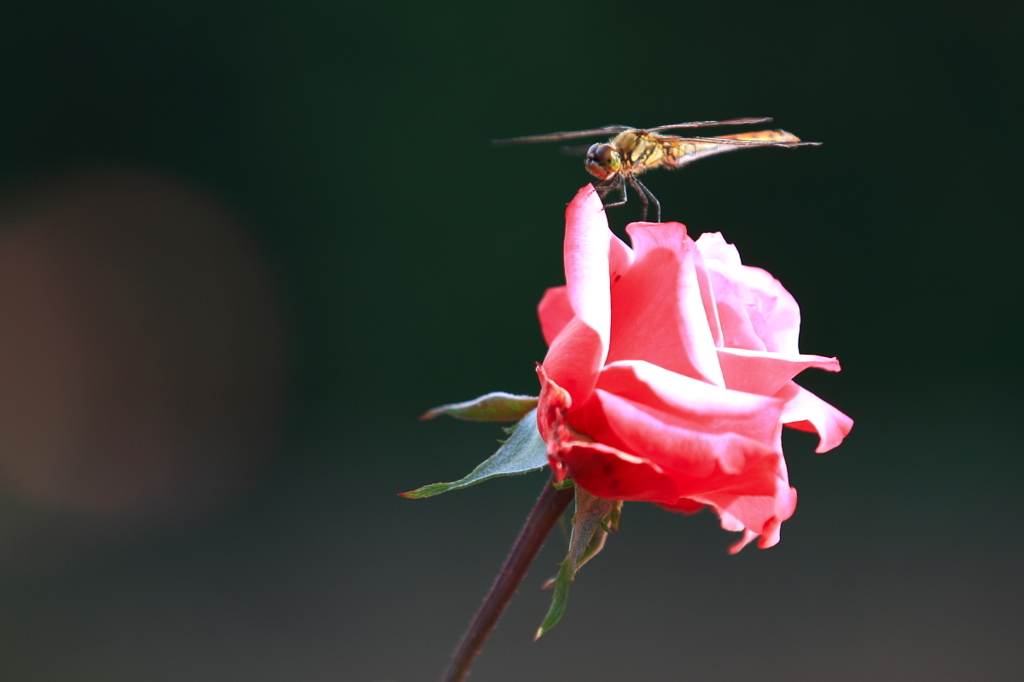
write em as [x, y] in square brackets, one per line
[595, 518]
[523, 452]
[491, 407]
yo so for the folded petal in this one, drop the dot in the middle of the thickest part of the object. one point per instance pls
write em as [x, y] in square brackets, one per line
[659, 313]
[707, 294]
[748, 536]
[701, 461]
[580, 349]
[684, 505]
[807, 412]
[765, 373]
[552, 405]
[555, 312]
[757, 515]
[756, 311]
[701, 406]
[778, 322]
[606, 472]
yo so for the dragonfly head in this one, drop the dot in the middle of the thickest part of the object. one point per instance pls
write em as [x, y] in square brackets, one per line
[603, 161]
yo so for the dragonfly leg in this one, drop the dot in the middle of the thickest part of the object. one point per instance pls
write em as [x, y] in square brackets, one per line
[606, 186]
[608, 189]
[645, 195]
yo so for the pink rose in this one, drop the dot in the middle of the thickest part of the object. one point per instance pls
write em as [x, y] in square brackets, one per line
[669, 374]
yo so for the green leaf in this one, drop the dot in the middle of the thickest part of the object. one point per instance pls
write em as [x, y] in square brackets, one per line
[595, 518]
[524, 451]
[493, 407]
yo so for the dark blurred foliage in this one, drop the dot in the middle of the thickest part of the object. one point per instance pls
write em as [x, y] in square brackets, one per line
[349, 144]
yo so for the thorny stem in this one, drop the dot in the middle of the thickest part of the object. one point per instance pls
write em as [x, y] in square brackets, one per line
[551, 504]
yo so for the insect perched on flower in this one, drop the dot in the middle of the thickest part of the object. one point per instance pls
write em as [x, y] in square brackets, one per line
[633, 151]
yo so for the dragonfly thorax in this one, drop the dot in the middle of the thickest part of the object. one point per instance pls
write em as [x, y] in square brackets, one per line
[603, 161]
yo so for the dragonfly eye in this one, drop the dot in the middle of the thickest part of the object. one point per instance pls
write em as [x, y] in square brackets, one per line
[603, 161]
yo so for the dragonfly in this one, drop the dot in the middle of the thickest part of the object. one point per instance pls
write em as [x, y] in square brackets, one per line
[632, 151]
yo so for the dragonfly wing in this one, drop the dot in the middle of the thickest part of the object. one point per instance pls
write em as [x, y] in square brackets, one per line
[576, 150]
[554, 137]
[708, 124]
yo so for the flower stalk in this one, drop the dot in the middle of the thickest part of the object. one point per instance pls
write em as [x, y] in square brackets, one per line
[551, 504]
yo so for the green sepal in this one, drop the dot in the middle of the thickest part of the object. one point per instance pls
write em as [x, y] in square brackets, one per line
[493, 407]
[595, 518]
[523, 452]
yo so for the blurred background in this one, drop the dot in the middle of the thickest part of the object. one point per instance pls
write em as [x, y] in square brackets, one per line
[243, 246]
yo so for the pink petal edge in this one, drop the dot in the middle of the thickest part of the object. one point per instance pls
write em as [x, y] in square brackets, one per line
[554, 312]
[807, 412]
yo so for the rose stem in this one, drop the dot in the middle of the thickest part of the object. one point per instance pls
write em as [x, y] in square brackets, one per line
[551, 504]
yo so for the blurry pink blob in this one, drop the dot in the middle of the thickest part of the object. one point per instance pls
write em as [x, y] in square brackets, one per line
[141, 355]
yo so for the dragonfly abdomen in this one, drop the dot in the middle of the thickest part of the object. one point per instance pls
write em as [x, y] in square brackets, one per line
[687, 151]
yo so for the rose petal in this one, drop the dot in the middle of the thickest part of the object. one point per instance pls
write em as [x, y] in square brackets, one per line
[606, 472]
[707, 294]
[552, 405]
[807, 412]
[756, 311]
[659, 313]
[685, 505]
[779, 321]
[620, 258]
[765, 373]
[748, 536]
[700, 460]
[599, 469]
[703, 407]
[578, 352]
[757, 515]
[733, 300]
[713, 247]
[555, 312]
[751, 507]
[772, 532]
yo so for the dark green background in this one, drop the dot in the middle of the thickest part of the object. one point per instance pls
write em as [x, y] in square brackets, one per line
[410, 256]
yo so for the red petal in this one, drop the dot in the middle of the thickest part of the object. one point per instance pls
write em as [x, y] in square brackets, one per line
[555, 312]
[702, 406]
[748, 535]
[658, 310]
[552, 405]
[684, 505]
[580, 349]
[756, 311]
[707, 294]
[758, 515]
[699, 459]
[807, 412]
[615, 475]
[765, 373]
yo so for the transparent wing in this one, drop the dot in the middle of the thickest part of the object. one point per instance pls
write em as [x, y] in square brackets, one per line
[576, 150]
[614, 129]
[582, 149]
[708, 124]
[554, 137]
